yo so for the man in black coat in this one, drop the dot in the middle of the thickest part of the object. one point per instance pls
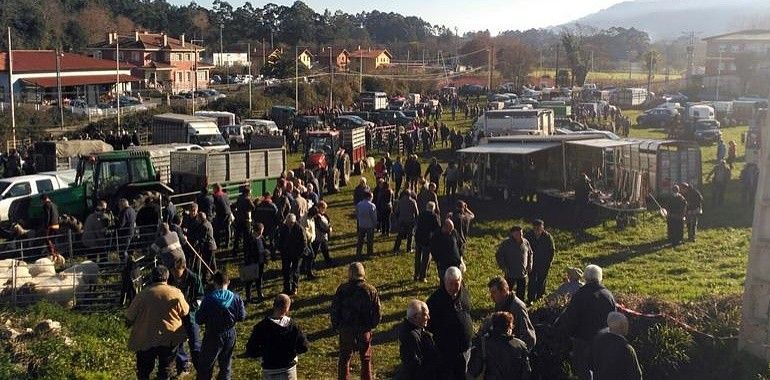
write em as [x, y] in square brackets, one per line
[446, 248]
[291, 242]
[676, 210]
[542, 246]
[419, 356]
[278, 341]
[584, 316]
[498, 354]
[243, 209]
[613, 357]
[205, 203]
[126, 224]
[428, 225]
[222, 214]
[694, 209]
[451, 325]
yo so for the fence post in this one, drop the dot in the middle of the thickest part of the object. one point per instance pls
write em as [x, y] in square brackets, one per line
[69, 243]
[13, 282]
[74, 288]
[21, 248]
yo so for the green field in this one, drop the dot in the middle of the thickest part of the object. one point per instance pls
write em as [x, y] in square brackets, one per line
[636, 262]
[611, 77]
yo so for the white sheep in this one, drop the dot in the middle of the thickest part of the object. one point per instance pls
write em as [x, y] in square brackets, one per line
[44, 266]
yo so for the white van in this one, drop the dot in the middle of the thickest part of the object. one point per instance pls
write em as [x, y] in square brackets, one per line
[237, 134]
[262, 126]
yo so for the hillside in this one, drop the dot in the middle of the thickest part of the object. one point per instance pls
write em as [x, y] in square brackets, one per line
[664, 19]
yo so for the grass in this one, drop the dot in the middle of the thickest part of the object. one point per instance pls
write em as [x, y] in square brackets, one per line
[611, 76]
[635, 262]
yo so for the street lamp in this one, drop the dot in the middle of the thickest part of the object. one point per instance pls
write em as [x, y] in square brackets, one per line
[331, 79]
[719, 72]
[248, 61]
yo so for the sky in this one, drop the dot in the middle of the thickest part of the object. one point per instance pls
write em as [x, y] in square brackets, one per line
[465, 15]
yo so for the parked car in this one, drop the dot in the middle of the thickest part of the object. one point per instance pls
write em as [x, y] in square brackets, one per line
[389, 117]
[21, 186]
[215, 79]
[350, 121]
[658, 117]
[706, 131]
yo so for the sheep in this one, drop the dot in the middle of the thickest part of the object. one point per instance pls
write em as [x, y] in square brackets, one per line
[44, 266]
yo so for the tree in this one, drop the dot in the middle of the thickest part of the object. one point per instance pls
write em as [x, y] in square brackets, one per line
[573, 46]
[513, 59]
[471, 51]
[745, 68]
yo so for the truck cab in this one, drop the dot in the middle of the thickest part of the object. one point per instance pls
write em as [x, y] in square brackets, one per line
[326, 157]
[107, 176]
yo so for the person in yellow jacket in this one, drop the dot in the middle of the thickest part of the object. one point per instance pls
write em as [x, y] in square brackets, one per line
[155, 317]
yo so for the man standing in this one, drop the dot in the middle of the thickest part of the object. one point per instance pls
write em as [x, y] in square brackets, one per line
[155, 316]
[355, 312]
[419, 356]
[451, 324]
[366, 216]
[244, 206]
[126, 224]
[205, 202]
[397, 172]
[613, 357]
[514, 257]
[406, 212]
[694, 209]
[255, 254]
[222, 215]
[749, 179]
[585, 315]
[206, 241]
[192, 289]
[220, 310]
[677, 207]
[292, 245]
[505, 300]
[434, 171]
[462, 217]
[427, 226]
[167, 247]
[51, 221]
[445, 248]
[278, 340]
[722, 175]
[542, 246]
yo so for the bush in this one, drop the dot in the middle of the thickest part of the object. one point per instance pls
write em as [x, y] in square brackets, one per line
[663, 349]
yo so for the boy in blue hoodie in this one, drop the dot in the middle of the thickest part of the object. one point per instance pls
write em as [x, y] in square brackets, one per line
[219, 312]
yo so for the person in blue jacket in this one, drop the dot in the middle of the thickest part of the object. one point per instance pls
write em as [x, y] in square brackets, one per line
[220, 310]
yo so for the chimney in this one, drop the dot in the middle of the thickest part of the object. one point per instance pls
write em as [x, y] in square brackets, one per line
[165, 39]
[109, 38]
[181, 38]
[136, 35]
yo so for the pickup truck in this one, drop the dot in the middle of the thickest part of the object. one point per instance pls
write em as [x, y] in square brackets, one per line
[22, 186]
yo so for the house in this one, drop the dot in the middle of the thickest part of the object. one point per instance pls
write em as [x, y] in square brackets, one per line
[164, 63]
[343, 58]
[305, 58]
[737, 59]
[230, 59]
[369, 59]
[274, 56]
[37, 74]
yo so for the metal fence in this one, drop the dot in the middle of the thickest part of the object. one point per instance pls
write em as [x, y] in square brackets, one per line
[97, 273]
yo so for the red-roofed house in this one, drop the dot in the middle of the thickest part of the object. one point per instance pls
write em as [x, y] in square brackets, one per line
[372, 59]
[165, 63]
[34, 76]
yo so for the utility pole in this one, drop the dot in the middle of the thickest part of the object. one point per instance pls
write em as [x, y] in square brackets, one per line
[296, 78]
[649, 70]
[251, 77]
[331, 80]
[221, 44]
[195, 68]
[117, 74]
[556, 77]
[489, 68]
[10, 89]
[719, 73]
[629, 65]
[360, 70]
[59, 57]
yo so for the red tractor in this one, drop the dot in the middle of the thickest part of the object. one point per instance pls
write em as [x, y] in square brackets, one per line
[332, 155]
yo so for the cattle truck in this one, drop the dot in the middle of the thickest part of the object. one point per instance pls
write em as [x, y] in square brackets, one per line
[333, 155]
[259, 169]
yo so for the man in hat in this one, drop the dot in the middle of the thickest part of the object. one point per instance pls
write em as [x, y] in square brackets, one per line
[722, 174]
[572, 282]
[677, 207]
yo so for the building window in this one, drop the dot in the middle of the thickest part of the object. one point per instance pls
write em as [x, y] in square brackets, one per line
[189, 76]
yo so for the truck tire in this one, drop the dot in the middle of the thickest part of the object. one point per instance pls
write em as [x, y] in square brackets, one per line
[357, 168]
[345, 171]
[334, 182]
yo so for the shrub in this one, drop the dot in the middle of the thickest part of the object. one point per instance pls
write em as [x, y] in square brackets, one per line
[663, 349]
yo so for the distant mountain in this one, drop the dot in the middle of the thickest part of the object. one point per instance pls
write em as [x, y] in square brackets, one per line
[667, 19]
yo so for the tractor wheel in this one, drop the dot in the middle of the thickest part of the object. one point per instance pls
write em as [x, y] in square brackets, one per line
[357, 167]
[334, 183]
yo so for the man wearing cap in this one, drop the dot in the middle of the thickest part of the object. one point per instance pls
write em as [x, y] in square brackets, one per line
[542, 245]
[355, 312]
[613, 357]
[572, 282]
[721, 173]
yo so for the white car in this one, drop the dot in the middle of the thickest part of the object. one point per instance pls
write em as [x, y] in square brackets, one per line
[22, 186]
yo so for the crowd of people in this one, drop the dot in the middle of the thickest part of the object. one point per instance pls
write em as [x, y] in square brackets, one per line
[437, 338]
